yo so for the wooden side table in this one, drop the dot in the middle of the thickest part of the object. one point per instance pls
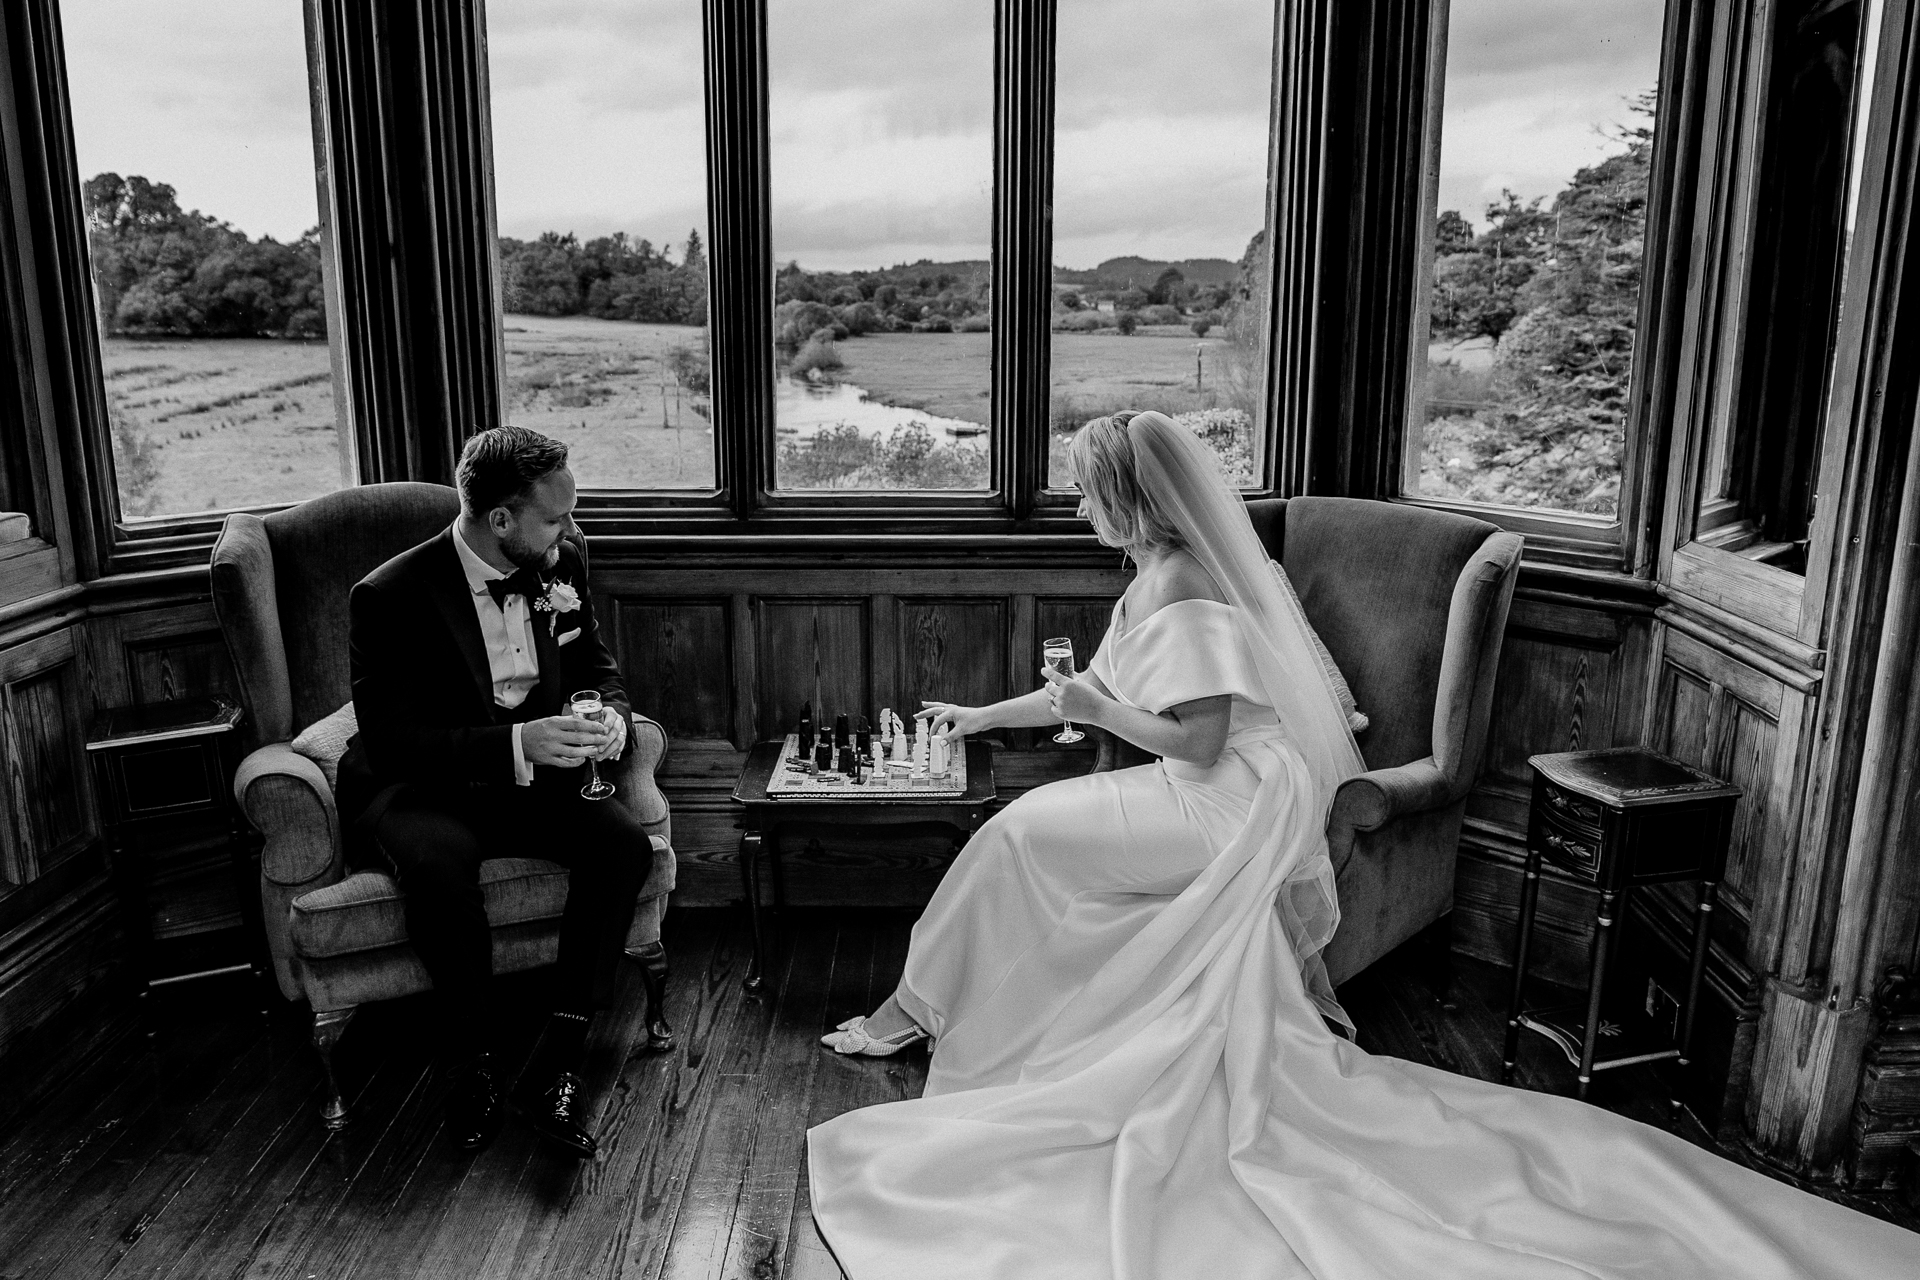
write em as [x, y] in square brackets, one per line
[1616, 819]
[765, 818]
[164, 773]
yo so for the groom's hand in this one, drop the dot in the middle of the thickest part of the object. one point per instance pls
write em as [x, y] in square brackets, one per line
[564, 742]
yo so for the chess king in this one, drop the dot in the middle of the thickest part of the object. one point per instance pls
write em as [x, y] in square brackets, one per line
[463, 652]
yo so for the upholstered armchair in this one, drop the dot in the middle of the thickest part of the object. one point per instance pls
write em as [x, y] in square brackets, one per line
[280, 588]
[1412, 604]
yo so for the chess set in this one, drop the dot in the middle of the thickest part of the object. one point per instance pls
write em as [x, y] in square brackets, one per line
[852, 762]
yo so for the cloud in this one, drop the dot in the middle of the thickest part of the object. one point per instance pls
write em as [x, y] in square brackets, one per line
[1536, 89]
[210, 96]
[881, 115]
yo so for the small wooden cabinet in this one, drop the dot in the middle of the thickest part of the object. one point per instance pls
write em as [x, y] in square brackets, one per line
[180, 852]
[1617, 819]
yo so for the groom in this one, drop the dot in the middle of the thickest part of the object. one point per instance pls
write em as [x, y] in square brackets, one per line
[464, 651]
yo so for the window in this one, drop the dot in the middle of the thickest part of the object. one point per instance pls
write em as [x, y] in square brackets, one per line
[880, 119]
[1540, 140]
[1159, 293]
[193, 133]
[1757, 494]
[600, 178]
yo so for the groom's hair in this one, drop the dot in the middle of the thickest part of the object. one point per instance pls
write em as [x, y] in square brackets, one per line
[499, 467]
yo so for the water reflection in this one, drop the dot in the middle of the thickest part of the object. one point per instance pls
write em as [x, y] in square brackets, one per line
[802, 408]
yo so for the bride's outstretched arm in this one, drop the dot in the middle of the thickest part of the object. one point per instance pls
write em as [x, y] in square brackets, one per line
[1028, 711]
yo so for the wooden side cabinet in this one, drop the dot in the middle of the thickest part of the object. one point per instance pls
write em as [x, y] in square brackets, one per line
[176, 839]
[1617, 819]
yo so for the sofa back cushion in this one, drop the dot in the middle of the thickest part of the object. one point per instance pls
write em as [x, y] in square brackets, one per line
[1376, 580]
[321, 549]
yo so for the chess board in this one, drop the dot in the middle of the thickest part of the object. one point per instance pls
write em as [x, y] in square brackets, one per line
[792, 780]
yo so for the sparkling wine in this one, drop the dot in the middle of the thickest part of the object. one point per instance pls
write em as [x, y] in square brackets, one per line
[1057, 653]
[587, 705]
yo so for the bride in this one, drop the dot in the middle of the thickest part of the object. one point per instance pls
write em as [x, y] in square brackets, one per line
[1134, 1073]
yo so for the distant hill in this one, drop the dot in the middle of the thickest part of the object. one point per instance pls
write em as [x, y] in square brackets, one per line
[1119, 273]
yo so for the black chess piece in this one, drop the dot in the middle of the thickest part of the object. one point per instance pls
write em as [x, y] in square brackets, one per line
[806, 729]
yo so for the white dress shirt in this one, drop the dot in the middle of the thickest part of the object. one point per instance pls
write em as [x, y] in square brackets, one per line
[508, 632]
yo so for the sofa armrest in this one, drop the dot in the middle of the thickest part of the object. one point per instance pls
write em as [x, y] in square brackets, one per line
[1369, 801]
[287, 799]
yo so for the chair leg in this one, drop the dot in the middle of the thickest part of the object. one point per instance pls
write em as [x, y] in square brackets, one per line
[1438, 937]
[328, 1026]
[652, 958]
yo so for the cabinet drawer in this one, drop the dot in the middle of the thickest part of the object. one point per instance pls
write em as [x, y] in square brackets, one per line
[1571, 850]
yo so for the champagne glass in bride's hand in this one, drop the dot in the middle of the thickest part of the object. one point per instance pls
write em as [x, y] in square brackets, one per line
[1058, 655]
[586, 704]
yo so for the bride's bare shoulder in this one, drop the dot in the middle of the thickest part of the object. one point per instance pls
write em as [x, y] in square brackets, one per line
[1178, 577]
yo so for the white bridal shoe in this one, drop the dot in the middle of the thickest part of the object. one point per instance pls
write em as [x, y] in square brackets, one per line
[851, 1037]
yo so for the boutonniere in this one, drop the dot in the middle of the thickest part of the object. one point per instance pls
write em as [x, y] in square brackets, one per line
[560, 598]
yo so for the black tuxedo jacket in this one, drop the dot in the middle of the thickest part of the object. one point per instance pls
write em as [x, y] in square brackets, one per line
[423, 689]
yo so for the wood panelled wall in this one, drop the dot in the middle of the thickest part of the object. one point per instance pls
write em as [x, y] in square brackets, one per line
[60, 930]
[724, 650]
[725, 655]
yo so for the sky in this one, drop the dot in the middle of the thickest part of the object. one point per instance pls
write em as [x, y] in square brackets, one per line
[880, 114]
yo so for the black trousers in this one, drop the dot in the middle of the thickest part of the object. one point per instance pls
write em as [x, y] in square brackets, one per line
[436, 839]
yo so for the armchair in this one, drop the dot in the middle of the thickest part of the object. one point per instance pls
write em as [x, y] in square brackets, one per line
[1412, 603]
[280, 588]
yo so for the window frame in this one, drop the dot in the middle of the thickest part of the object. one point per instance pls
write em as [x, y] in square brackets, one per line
[404, 167]
[1384, 70]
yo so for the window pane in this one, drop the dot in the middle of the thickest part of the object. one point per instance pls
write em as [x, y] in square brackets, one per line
[1527, 303]
[195, 142]
[1160, 208]
[600, 187]
[881, 113]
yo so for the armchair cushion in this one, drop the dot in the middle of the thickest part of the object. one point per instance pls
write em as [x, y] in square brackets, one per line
[325, 741]
[367, 910]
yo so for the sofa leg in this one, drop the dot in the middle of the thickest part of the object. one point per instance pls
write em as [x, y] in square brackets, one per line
[652, 958]
[328, 1026]
[1438, 937]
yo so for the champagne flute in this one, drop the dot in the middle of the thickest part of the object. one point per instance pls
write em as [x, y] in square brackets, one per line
[587, 705]
[1058, 655]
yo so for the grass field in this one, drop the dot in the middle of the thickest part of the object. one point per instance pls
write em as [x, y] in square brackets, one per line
[207, 424]
[211, 424]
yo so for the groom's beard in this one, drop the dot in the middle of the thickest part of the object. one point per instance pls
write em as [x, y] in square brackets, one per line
[525, 556]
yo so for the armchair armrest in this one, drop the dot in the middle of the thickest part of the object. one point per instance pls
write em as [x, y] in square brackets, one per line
[1372, 799]
[287, 799]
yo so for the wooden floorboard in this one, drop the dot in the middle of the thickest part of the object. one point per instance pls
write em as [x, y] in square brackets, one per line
[201, 1156]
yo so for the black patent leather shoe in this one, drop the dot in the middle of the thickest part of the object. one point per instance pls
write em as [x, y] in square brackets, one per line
[475, 1106]
[559, 1114]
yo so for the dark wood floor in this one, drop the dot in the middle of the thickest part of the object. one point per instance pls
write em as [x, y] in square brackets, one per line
[200, 1154]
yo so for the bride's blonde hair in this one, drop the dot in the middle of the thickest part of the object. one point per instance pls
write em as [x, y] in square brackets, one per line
[1124, 515]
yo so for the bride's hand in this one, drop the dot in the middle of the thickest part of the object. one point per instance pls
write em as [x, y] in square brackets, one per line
[956, 719]
[1070, 699]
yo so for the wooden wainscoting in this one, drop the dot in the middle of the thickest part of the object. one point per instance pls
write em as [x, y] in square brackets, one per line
[726, 657]
[60, 929]
[1744, 714]
[1572, 678]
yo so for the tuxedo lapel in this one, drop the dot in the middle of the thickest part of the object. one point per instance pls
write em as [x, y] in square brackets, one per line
[446, 584]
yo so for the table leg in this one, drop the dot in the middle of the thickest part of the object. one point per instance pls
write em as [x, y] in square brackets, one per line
[1529, 903]
[1702, 936]
[1603, 936]
[244, 851]
[750, 885]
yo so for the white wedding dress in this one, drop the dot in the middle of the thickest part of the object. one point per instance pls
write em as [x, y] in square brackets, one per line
[1133, 1077]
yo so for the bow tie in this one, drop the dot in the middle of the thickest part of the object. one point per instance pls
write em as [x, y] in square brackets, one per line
[521, 582]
